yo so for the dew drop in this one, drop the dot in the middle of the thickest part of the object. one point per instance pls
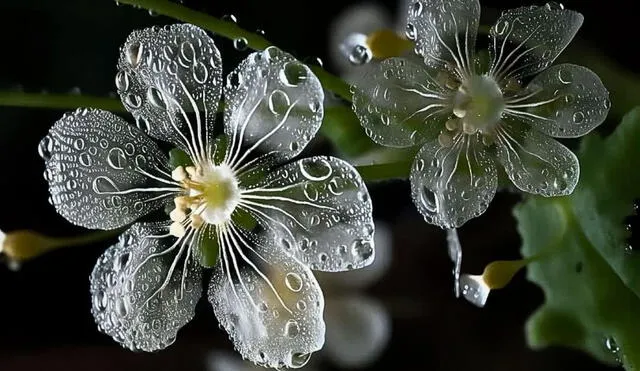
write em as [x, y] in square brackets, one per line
[279, 102]
[317, 169]
[565, 76]
[578, 118]
[416, 9]
[45, 148]
[291, 328]
[134, 53]
[360, 54]
[155, 97]
[301, 305]
[240, 44]
[85, 159]
[299, 359]
[410, 31]
[293, 73]
[122, 81]
[133, 100]
[428, 198]
[116, 158]
[362, 249]
[552, 5]
[293, 282]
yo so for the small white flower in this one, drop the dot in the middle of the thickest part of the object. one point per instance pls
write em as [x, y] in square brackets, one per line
[469, 117]
[239, 205]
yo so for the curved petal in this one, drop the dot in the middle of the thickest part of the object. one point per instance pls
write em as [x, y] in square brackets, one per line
[565, 101]
[142, 290]
[400, 103]
[273, 105]
[369, 275]
[526, 40]
[170, 79]
[451, 185]
[445, 32]
[534, 162]
[358, 330]
[324, 204]
[271, 305]
[103, 173]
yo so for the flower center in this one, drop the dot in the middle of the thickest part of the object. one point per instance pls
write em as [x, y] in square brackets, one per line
[211, 194]
[479, 104]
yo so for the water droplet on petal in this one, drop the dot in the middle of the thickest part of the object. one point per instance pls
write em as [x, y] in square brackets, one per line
[291, 328]
[134, 53]
[240, 44]
[360, 54]
[279, 102]
[293, 282]
[300, 359]
[293, 73]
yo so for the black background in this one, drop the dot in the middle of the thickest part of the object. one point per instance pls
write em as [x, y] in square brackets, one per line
[45, 319]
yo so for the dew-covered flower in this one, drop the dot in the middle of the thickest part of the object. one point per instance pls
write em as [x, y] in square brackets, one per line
[239, 203]
[471, 115]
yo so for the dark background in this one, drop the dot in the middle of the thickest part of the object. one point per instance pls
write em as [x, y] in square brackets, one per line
[45, 319]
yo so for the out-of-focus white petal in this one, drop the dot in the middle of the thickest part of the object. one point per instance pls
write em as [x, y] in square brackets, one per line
[325, 205]
[269, 302]
[103, 173]
[145, 288]
[444, 32]
[564, 101]
[451, 185]
[170, 79]
[526, 40]
[274, 106]
[358, 330]
[534, 162]
[400, 103]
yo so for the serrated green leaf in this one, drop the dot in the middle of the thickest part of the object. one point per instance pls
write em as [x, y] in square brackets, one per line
[591, 282]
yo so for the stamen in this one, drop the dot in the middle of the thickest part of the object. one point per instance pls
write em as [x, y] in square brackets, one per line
[177, 229]
[178, 174]
[178, 215]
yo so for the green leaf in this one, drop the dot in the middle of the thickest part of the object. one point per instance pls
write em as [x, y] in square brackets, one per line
[590, 279]
[178, 157]
[208, 249]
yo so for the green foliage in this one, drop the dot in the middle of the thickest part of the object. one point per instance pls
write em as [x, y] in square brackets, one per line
[590, 278]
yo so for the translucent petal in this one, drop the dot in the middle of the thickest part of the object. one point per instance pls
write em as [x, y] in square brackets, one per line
[273, 105]
[534, 162]
[358, 330]
[369, 275]
[271, 305]
[564, 101]
[99, 167]
[170, 79]
[451, 185]
[527, 40]
[138, 296]
[400, 103]
[324, 204]
[444, 32]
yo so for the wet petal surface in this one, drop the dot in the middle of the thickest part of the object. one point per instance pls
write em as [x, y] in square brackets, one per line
[145, 288]
[534, 162]
[400, 103]
[564, 101]
[103, 173]
[268, 301]
[324, 204]
[170, 79]
[451, 185]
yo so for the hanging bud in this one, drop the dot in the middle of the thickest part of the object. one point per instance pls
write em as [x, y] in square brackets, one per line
[496, 275]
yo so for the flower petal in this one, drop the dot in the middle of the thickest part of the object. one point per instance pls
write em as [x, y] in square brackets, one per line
[526, 40]
[400, 103]
[451, 185]
[273, 105]
[324, 204]
[271, 305]
[445, 32]
[142, 290]
[534, 162]
[170, 79]
[103, 173]
[565, 101]
[358, 330]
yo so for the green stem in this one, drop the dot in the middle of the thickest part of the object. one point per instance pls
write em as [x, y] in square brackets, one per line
[392, 170]
[85, 239]
[232, 31]
[58, 101]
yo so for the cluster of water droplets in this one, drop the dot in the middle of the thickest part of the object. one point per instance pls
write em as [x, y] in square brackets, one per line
[128, 300]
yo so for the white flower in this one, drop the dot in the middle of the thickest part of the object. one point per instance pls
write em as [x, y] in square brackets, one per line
[240, 204]
[469, 118]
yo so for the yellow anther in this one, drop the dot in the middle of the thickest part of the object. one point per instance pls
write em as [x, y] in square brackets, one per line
[178, 174]
[177, 229]
[499, 273]
[181, 202]
[387, 43]
[193, 171]
[196, 221]
[177, 215]
[452, 124]
[445, 139]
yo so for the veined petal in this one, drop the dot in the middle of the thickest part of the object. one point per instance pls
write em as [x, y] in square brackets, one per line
[273, 106]
[103, 173]
[358, 330]
[565, 101]
[145, 288]
[170, 79]
[324, 204]
[445, 32]
[451, 185]
[526, 40]
[269, 302]
[400, 103]
[534, 162]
